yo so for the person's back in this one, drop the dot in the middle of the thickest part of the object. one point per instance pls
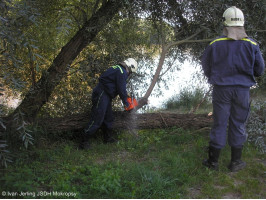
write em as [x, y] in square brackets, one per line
[113, 81]
[232, 62]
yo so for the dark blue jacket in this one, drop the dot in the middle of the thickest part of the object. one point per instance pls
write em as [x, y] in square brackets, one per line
[113, 81]
[232, 62]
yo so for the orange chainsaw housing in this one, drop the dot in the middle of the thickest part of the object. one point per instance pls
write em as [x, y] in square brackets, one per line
[132, 103]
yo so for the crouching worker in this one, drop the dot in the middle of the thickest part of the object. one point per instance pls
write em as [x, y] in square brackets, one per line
[231, 63]
[111, 83]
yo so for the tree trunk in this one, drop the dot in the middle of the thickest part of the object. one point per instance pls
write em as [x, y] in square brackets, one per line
[38, 96]
[125, 120]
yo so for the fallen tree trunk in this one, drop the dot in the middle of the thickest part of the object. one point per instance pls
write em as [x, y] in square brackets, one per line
[125, 120]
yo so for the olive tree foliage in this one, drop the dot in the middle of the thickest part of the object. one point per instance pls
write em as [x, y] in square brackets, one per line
[32, 34]
[4, 153]
[13, 20]
[37, 96]
[13, 41]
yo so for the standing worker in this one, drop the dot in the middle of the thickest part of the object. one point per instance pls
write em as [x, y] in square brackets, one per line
[111, 83]
[230, 63]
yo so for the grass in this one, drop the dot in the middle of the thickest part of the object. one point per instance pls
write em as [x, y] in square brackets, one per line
[156, 164]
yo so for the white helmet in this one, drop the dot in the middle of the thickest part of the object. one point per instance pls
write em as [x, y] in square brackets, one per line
[233, 16]
[132, 64]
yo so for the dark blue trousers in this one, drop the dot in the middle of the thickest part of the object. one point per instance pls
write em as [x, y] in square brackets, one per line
[101, 112]
[230, 108]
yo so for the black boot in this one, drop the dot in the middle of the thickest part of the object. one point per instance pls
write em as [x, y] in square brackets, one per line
[108, 136]
[212, 162]
[85, 142]
[236, 163]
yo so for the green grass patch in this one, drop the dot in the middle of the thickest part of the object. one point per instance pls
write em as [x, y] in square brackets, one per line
[154, 164]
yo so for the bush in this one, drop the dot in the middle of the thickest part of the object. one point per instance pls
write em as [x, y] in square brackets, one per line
[256, 126]
[187, 99]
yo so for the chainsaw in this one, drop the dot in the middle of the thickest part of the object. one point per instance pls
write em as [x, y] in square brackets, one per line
[131, 100]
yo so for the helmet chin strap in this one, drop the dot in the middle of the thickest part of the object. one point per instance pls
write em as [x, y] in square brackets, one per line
[129, 70]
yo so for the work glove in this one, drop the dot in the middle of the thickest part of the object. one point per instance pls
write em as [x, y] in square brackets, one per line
[132, 103]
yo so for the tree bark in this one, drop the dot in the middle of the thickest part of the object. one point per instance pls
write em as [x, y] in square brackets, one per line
[125, 120]
[38, 96]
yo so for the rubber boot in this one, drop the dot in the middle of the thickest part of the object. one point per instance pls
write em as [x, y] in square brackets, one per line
[85, 142]
[236, 163]
[108, 136]
[212, 162]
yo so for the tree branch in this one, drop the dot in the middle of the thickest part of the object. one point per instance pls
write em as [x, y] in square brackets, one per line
[187, 40]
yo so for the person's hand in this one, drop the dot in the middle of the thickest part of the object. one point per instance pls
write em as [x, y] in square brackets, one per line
[132, 103]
